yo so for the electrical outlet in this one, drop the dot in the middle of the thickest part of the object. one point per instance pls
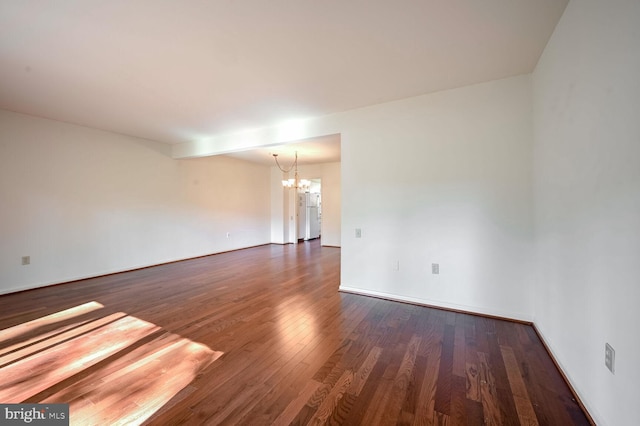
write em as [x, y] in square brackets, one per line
[228, 234]
[26, 260]
[609, 358]
[435, 268]
[358, 233]
[396, 265]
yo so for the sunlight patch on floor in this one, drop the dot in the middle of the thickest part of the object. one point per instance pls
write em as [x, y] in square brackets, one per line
[40, 324]
[111, 369]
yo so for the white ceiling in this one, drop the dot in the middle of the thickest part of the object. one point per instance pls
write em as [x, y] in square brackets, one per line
[310, 151]
[177, 71]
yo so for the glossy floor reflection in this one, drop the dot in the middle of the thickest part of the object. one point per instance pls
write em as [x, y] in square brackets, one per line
[147, 347]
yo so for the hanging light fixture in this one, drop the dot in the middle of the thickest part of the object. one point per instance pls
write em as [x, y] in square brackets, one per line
[294, 182]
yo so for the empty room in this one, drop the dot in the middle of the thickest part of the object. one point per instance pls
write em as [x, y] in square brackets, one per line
[258, 213]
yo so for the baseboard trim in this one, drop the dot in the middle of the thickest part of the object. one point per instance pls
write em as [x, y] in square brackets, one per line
[435, 304]
[89, 277]
[576, 396]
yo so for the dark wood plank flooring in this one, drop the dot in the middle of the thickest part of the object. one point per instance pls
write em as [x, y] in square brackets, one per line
[262, 336]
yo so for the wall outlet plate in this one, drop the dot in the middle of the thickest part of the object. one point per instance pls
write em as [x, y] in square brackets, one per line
[435, 268]
[26, 260]
[609, 357]
[358, 233]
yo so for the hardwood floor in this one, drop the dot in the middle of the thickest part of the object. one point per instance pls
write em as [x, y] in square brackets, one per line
[262, 336]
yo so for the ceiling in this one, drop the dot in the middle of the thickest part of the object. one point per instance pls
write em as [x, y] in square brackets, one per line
[325, 149]
[179, 71]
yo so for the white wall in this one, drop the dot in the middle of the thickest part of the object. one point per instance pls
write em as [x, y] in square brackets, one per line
[587, 198]
[279, 209]
[443, 178]
[83, 202]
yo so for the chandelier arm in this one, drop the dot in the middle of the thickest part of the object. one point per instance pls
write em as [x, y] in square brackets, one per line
[280, 167]
[295, 163]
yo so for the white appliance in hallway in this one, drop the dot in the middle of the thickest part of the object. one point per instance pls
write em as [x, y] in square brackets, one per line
[309, 215]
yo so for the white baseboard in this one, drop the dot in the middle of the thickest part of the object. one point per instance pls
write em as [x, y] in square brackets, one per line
[438, 304]
[567, 378]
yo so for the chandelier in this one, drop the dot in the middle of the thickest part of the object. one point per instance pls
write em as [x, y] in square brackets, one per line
[294, 182]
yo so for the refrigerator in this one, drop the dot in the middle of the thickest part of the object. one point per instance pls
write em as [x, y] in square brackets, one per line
[309, 219]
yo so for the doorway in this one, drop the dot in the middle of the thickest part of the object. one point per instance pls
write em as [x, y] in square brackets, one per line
[310, 212]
